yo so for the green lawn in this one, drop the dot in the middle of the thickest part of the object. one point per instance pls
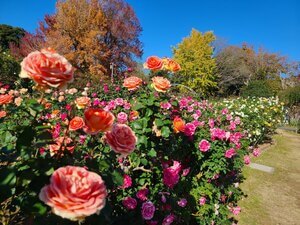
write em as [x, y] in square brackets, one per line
[274, 198]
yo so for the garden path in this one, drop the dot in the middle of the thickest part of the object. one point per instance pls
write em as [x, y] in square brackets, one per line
[274, 198]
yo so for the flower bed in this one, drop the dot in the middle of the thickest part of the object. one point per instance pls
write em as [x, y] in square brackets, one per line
[104, 155]
[260, 116]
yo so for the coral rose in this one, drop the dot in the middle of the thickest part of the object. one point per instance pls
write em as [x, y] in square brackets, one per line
[76, 123]
[74, 193]
[59, 145]
[2, 114]
[5, 99]
[160, 84]
[82, 102]
[179, 125]
[121, 139]
[47, 68]
[132, 83]
[153, 63]
[98, 120]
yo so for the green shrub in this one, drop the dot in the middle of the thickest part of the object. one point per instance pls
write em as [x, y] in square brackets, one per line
[291, 96]
[9, 68]
[257, 88]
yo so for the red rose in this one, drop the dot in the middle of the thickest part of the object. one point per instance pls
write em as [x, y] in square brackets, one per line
[98, 120]
[121, 139]
[153, 63]
[132, 83]
[76, 123]
[47, 68]
[74, 193]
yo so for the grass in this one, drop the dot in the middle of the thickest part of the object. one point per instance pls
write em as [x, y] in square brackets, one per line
[274, 198]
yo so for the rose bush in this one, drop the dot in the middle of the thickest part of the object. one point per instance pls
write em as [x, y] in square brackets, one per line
[128, 151]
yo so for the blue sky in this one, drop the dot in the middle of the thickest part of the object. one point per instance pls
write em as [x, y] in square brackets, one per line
[274, 25]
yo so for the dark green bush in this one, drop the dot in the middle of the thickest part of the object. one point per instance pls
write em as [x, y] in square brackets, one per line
[257, 88]
[291, 96]
[9, 68]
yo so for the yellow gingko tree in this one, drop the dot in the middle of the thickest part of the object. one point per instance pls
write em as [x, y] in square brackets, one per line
[195, 56]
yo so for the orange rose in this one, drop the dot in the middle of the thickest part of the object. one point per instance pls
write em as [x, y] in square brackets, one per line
[121, 139]
[82, 102]
[47, 68]
[153, 63]
[2, 114]
[59, 145]
[161, 84]
[74, 193]
[179, 125]
[170, 64]
[5, 99]
[98, 120]
[132, 83]
[76, 123]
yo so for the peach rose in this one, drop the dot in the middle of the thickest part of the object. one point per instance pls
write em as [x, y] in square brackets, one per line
[2, 114]
[76, 123]
[5, 99]
[98, 120]
[153, 63]
[59, 145]
[47, 68]
[179, 125]
[82, 102]
[171, 65]
[74, 193]
[121, 139]
[132, 83]
[160, 84]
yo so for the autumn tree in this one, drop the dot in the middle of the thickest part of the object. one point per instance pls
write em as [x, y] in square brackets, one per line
[238, 67]
[28, 43]
[94, 34]
[194, 54]
[233, 68]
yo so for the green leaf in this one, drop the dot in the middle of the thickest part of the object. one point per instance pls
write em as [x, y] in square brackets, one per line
[39, 208]
[7, 177]
[165, 132]
[152, 153]
[117, 178]
[159, 122]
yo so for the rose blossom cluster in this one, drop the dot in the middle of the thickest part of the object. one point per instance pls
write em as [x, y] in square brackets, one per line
[154, 172]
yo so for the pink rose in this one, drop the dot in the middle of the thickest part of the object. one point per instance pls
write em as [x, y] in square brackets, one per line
[129, 203]
[182, 202]
[247, 159]
[204, 145]
[256, 152]
[74, 193]
[171, 174]
[211, 123]
[202, 201]
[235, 210]
[148, 210]
[169, 219]
[217, 133]
[229, 153]
[47, 68]
[142, 194]
[121, 139]
[127, 182]
[122, 117]
[189, 129]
